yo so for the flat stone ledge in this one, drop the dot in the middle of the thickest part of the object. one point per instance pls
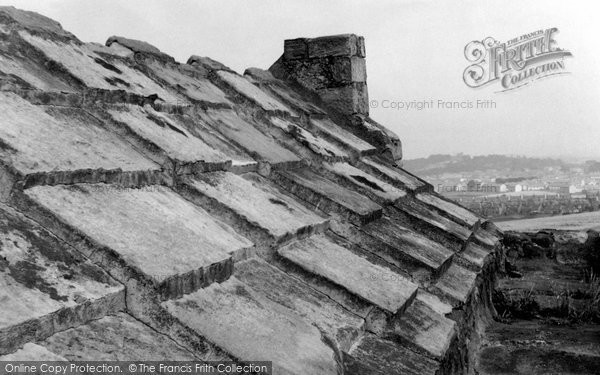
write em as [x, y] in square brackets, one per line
[327, 195]
[337, 322]
[252, 327]
[372, 355]
[259, 203]
[151, 231]
[375, 284]
[423, 328]
[456, 284]
[45, 286]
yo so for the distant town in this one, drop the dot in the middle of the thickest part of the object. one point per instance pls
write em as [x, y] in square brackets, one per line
[512, 187]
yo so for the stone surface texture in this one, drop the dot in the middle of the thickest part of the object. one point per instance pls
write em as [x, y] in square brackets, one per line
[151, 209]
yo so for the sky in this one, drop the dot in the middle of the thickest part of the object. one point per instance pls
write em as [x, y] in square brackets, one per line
[415, 52]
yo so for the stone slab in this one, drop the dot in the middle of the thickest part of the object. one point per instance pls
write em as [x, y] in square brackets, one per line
[337, 322]
[434, 302]
[45, 286]
[365, 181]
[476, 255]
[374, 356]
[95, 72]
[32, 352]
[316, 144]
[164, 132]
[327, 195]
[429, 216]
[343, 136]
[486, 238]
[397, 175]
[116, 337]
[292, 98]
[42, 140]
[457, 283]
[196, 88]
[199, 127]
[375, 284]
[168, 239]
[335, 45]
[252, 327]
[28, 70]
[260, 203]
[452, 210]
[295, 49]
[34, 21]
[425, 329]
[250, 91]
[246, 135]
[409, 244]
[385, 252]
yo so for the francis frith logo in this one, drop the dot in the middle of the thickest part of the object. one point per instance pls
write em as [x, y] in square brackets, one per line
[515, 63]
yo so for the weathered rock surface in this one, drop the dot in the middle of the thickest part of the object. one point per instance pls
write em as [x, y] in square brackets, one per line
[249, 325]
[177, 245]
[256, 201]
[222, 217]
[45, 286]
[375, 284]
[116, 337]
[328, 196]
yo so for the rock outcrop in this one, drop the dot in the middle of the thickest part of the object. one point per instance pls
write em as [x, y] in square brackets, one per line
[195, 213]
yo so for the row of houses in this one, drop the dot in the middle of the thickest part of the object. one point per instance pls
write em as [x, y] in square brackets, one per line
[558, 187]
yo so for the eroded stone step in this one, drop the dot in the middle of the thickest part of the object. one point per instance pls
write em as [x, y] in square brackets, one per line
[451, 210]
[188, 80]
[378, 285]
[475, 257]
[342, 326]
[318, 145]
[150, 233]
[327, 195]
[386, 253]
[408, 245]
[160, 134]
[286, 93]
[116, 337]
[394, 175]
[243, 87]
[81, 61]
[456, 284]
[376, 189]
[55, 141]
[195, 123]
[425, 220]
[251, 326]
[424, 329]
[255, 202]
[375, 356]
[45, 286]
[248, 137]
[326, 127]
[486, 238]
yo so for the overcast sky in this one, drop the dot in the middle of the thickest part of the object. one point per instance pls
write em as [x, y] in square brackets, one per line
[415, 51]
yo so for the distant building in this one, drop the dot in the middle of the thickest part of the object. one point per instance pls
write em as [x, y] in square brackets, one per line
[561, 187]
[473, 185]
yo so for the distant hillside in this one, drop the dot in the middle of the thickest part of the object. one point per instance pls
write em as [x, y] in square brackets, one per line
[440, 163]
